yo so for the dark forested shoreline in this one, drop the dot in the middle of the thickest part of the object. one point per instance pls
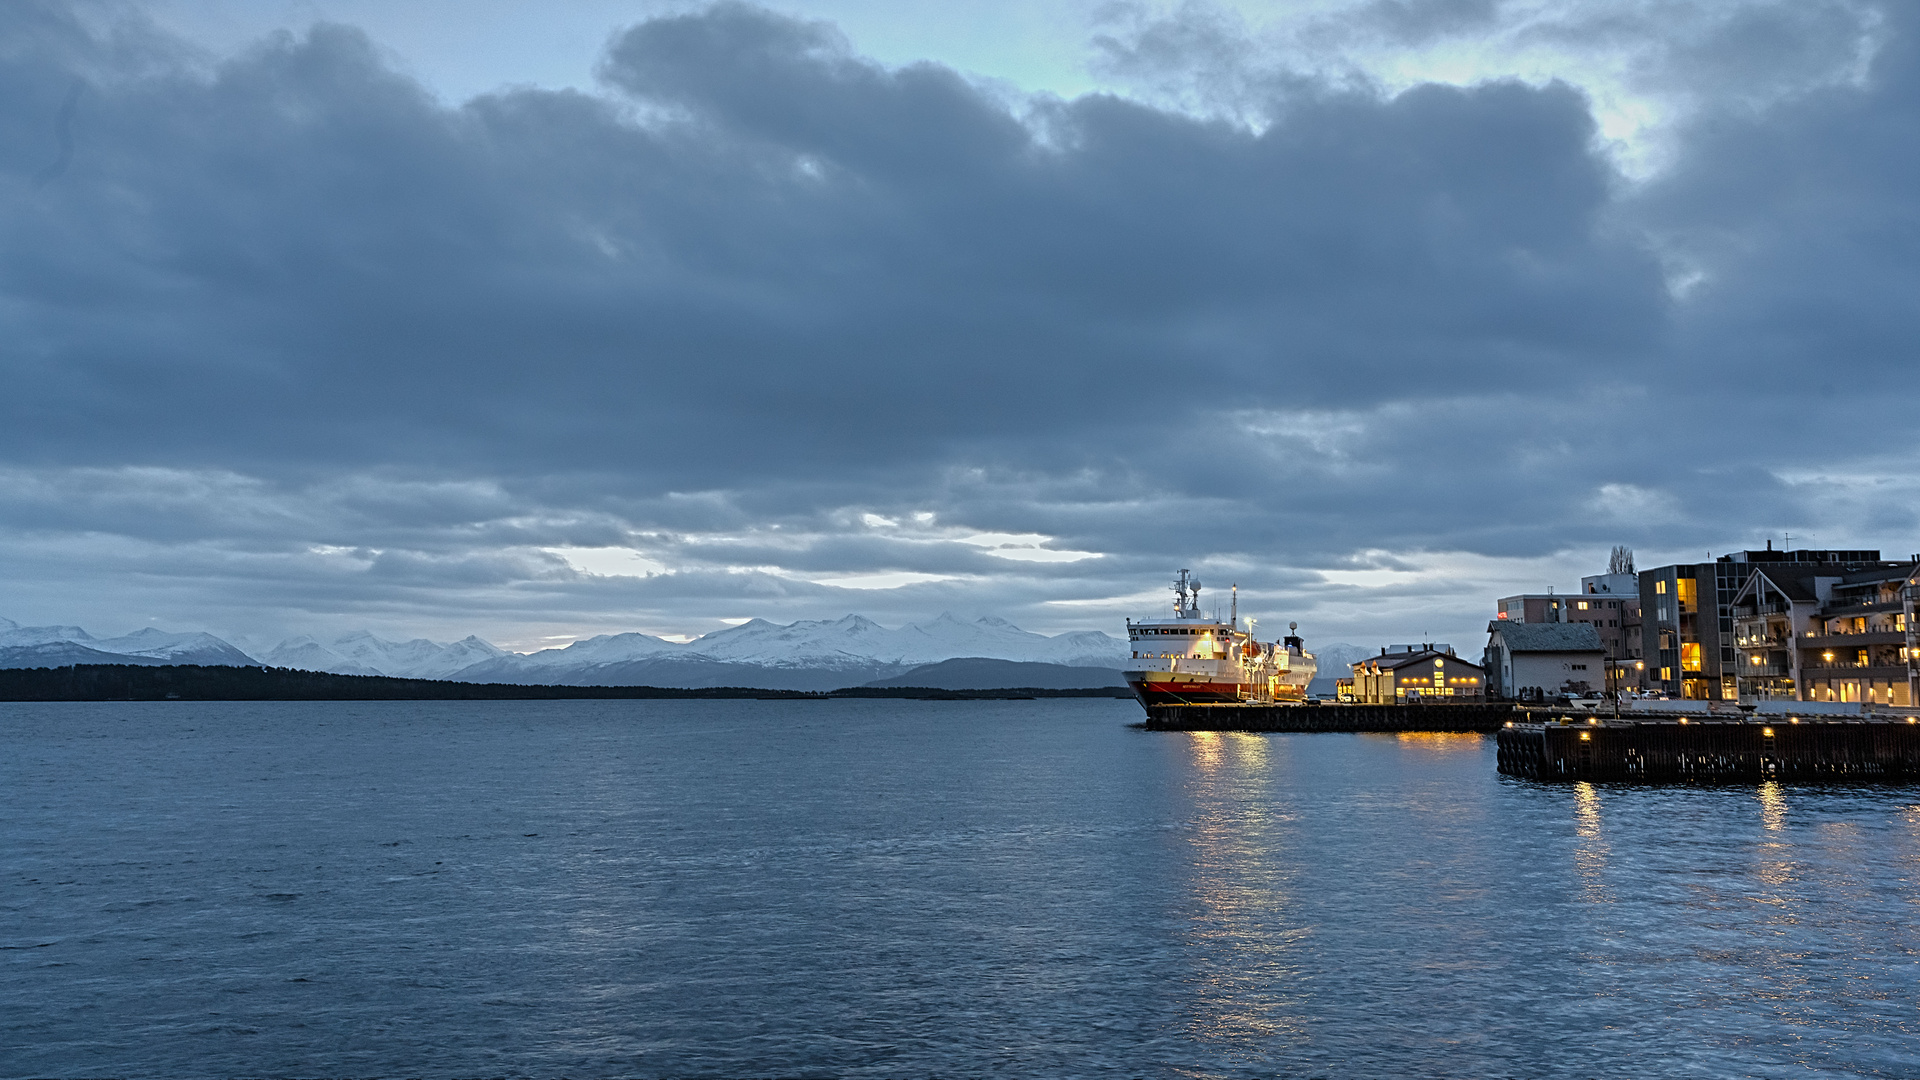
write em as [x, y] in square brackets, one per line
[191, 682]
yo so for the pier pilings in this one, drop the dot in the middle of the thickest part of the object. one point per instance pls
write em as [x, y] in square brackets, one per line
[1473, 716]
[1705, 750]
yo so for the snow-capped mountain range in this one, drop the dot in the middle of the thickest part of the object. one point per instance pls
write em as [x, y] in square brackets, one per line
[806, 655]
[361, 653]
[810, 654]
[58, 646]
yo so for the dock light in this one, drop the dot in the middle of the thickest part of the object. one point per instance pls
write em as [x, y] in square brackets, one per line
[1911, 720]
[1509, 723]
[1586, 735]
[1793, 719]
[1683, 719]
[1767, 731]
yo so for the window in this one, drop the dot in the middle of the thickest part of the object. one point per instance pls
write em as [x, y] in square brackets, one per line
[1666, 674]
[1690, 656]
[1583, 605]
[1660, 587]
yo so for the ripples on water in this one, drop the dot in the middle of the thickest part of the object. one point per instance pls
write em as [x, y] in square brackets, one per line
[876, 888]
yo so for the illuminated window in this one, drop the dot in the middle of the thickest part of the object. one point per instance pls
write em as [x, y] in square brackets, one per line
[1684, 587]
[1583, 605]
[1666, 674]
[1690, 656]
[1660, 587]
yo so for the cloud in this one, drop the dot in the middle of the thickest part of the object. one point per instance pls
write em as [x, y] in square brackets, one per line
[289, 340]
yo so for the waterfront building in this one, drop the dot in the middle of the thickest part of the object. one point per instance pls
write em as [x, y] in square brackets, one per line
[1687, 625]
[1614, 603]
[1814, 632]
[1403, 673]
[1610, 603]
[1532, 661]
[1532, 607]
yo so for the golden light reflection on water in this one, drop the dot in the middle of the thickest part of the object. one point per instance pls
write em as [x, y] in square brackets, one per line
[1206, 749]
[1440, 742]
[1776, 864]
[1773, 806]
[1242, 927]
[1591, 848]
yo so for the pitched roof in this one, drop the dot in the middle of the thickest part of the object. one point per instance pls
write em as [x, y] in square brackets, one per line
[1396, 661]
[1797, 587]
[1547, 637]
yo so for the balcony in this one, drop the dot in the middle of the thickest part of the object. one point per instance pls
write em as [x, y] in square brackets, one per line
[1763, 671]
[1894, 669]
[1842, 606]
[1853, 640]
[1760, 641]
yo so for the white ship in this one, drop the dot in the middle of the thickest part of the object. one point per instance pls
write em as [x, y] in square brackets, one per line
[1192, 659]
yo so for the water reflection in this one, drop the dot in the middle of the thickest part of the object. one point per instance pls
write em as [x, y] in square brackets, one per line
[1591, 849]
[1244, 988]
[1773, 806]
[1776, 865]
[1440, 742]
[1206, 749]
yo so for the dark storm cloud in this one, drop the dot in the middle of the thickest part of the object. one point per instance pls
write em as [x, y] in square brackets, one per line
[306, 260]
[290, 310]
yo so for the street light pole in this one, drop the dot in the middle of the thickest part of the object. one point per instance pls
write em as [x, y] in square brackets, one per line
[1613, 680]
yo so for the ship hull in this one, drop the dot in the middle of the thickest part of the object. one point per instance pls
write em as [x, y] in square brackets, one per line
[1175, 688]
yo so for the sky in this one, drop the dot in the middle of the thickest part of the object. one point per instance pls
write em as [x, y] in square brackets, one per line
[543, 321]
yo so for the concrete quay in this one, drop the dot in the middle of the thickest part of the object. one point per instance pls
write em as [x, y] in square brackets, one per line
[1325, 717]
[1712, 749]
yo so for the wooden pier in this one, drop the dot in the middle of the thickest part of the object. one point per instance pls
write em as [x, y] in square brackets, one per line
[1713, 749]
[1474, 716]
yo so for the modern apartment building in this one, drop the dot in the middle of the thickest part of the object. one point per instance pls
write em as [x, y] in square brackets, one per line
[1687, 616]
[1829, 633]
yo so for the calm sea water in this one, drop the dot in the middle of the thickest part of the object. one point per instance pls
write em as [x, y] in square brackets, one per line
[883, 888]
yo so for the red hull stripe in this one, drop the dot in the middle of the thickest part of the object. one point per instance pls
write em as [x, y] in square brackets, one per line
[1179, 693]
[1157, 692]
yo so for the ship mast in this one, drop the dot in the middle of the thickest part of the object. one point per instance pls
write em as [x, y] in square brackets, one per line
[1186, 596]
